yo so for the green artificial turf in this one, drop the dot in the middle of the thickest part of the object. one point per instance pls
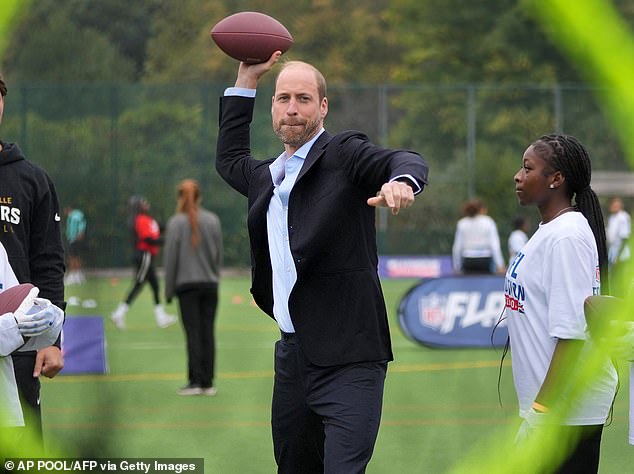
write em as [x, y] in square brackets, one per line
[439, 404]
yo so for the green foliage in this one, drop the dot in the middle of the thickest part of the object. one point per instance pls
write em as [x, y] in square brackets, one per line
[606, 60]
[452, 41]
[26, 445]
[360, 52]
[182, 50]
[179, 50]
[82, 40]
[74, 56]
[124, 23]
[9, 17]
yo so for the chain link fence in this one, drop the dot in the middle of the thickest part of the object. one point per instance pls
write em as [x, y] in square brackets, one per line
[104, 143]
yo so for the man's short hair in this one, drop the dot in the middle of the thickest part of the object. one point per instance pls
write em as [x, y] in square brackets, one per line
[3, 86]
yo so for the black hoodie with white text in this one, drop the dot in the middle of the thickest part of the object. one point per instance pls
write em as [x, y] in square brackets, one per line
[30, 224]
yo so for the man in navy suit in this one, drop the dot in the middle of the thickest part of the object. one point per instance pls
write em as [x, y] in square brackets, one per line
[311, 222]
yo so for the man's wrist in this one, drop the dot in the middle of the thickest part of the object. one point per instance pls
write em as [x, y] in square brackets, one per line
[406, 181]
[409, 180]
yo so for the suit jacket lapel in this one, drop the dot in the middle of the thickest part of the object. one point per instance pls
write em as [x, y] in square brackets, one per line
[317, 150]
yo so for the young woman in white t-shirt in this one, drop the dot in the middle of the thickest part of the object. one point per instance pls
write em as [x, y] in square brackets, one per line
[476, 247]
[563, 262]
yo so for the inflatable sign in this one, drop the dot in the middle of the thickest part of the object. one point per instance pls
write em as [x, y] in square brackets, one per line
[456, 311]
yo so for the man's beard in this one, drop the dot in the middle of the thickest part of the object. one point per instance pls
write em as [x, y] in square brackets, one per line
[296, 138]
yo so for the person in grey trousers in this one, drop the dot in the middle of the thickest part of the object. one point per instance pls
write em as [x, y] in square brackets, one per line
[192, 257]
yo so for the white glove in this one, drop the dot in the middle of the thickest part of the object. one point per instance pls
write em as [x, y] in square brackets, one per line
[37, 319]
[532, 420]
[28, 301]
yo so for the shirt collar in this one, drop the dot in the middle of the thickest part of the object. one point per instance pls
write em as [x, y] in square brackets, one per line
[277, 167]
[305, 148]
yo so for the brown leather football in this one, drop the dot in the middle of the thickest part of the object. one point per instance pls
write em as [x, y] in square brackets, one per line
[251, 37]
[11, 298]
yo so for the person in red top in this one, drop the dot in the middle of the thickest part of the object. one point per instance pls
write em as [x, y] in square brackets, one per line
[146, 236]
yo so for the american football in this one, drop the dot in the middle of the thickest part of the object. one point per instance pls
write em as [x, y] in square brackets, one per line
[12, 298]
[251, 37]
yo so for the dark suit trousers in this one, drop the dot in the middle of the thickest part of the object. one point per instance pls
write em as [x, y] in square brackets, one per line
[198, 313]
[324, 419]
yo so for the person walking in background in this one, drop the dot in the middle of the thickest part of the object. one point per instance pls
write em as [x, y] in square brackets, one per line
[75, 234]
[192, 257]
[563, 263]
[476, 246]
[311, 222]
[31, 235]
[146, 237]
[518, 237]
[618, 232]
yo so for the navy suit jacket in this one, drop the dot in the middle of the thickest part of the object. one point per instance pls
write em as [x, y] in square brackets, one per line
[337, 305]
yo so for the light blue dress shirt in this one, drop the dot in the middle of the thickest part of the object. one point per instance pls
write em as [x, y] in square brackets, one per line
[284, 172]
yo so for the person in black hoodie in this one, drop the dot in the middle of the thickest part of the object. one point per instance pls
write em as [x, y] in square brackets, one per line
[30, 231]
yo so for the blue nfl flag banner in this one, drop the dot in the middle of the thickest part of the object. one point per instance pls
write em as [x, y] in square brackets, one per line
[457, 311]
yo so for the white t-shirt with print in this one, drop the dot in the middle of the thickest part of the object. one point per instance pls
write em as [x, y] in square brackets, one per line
[545, 289]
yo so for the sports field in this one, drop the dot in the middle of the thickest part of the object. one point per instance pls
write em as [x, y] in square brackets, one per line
[438, 405]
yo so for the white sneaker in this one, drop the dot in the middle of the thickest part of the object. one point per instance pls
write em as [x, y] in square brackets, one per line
[89, 303]
[163, 319]
[73, 301]
[209, 391]
[167, 321]
[190, 390]
[118, 316]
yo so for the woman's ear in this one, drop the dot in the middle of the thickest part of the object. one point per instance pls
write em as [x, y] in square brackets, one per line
[557, 179]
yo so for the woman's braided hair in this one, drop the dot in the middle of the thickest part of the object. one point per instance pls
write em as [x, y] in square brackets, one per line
[567, 155]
